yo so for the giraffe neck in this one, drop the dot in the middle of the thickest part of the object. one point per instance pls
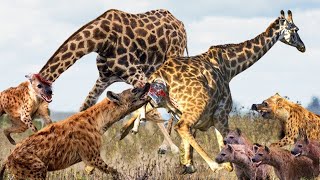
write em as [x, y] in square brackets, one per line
[87, 39]
[238, 57]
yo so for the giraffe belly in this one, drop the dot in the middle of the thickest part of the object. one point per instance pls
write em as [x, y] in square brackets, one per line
[204, 123]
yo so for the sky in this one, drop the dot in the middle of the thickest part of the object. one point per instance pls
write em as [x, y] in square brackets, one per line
[32, 30]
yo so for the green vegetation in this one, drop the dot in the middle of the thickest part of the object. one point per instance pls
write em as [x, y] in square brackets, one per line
[136, 156]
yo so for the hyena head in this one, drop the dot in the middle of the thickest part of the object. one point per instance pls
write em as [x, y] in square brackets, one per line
[301, 146]
[226, 154]
[273, 107]
[41, 87]
[261, 154]
[131, 99]
[233, 137]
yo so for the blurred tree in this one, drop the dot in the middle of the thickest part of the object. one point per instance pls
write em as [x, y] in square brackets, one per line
[314, 105]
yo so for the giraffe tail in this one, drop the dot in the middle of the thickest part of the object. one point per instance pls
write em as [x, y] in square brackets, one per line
[3, 168]
[187, 49]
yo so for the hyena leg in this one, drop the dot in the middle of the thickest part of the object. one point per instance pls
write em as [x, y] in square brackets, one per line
[15, 128]
[30, 168]
[43, 112]
[27, 120]
[93, 159]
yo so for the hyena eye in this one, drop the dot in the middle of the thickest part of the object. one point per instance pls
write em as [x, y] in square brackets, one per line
[39, 85]
[231, 137]
[265, 104]
[300, 145]
[223, 154]
[260, 154]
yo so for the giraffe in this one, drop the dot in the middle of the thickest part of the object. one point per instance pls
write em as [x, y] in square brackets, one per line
[200, 84]
[130, 48]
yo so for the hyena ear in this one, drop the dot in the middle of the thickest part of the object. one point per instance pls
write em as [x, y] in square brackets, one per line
[29, 76]
[255, 147]
[113, 97]
[306, 140]
[230, 148]
[238, 131]
[267, 149]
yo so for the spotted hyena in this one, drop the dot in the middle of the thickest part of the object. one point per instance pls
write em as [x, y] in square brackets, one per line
[286, 166]
[75, 139]
[24, 102]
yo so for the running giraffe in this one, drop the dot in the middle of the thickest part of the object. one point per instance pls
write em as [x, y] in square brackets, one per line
[200, 84]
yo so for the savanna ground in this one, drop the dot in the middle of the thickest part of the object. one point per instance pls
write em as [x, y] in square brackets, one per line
[137, 157]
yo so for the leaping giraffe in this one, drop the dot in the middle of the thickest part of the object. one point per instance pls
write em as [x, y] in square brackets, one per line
[130, 48]
[200, 84]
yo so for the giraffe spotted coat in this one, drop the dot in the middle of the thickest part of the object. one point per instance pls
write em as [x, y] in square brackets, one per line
[130, 48]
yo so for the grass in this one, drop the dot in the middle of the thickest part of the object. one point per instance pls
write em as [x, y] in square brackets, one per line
[136, 156]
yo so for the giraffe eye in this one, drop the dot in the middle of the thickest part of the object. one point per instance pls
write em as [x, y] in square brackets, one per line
[39, 86]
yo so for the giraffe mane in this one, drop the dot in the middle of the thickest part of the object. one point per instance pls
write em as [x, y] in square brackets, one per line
[265, 33]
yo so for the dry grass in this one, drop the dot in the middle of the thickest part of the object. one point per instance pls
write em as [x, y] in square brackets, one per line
[136, 156]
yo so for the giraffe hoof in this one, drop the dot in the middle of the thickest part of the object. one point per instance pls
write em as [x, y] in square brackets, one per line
[174, 149]
[89, 170]
[188, 169]
[134, 131]
[162, 150]
[228, 167]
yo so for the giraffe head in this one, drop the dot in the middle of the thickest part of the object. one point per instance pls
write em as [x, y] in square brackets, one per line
[289, 32]
[41, 87]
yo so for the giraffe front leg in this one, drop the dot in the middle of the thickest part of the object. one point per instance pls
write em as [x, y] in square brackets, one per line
[222, 126]
[101, 84]
[165, 145]
[186, 157]
[167, 138]
[141, 116]
[183, 128]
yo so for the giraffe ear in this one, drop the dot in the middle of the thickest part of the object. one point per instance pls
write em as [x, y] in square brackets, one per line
[113, 97]
[290, 16]
[282, 16]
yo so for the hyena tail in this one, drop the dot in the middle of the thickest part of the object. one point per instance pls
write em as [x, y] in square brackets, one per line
[3, 168]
